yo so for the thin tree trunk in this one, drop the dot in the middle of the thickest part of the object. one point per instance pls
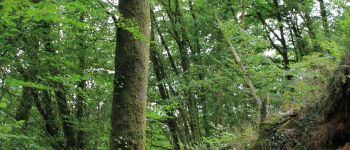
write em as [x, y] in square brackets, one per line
[298, 42]
[51, 124]
[283, 51]
[185, 132]
[80, 103]
[207, 128]
[324, 16]
[199, 62]
[311, 31]
[248, 81]
[309, 25]
[218, 101]
[182, 41]
[131, 79]
[49, 117]
[65, 116]
[164, 93]
[282, 38]
[25, 105]
[60, 93]
[185, 63]
[183, 129]
[81, 134]
[166, 47]
[192, 110]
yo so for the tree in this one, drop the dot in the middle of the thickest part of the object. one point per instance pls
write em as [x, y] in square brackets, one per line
[324, 16]
[63, 64]
[131, 77]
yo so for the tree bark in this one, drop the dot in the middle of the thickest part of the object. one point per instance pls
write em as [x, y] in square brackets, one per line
[131, 79]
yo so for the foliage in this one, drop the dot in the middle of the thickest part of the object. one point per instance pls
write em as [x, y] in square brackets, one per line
[51, 48]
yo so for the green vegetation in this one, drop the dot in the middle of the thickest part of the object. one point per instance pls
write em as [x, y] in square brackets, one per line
[176, 74]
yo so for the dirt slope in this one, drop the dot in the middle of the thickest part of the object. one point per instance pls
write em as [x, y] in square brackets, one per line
[323, 126]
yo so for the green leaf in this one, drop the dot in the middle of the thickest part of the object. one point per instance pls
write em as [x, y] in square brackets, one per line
[15, 83]
[3, 105]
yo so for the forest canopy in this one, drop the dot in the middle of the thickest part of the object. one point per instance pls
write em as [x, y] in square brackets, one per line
[172, 74]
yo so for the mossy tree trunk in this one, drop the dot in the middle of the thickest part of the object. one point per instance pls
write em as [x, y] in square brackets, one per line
[131, 78]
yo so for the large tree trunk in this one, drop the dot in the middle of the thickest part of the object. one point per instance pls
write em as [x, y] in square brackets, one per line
[131, 79]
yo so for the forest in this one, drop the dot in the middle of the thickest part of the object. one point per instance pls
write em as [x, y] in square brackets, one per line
[174, 74]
